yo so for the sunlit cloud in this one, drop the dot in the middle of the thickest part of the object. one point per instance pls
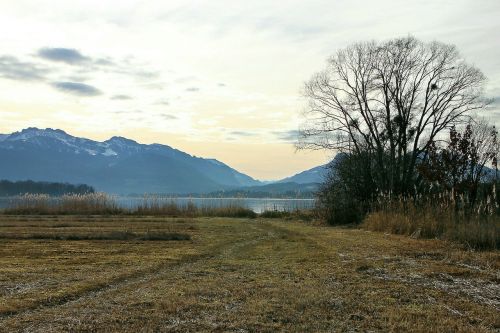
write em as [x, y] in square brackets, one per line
[242, 133]
[287, 136]
[168, 116]
[121, 97]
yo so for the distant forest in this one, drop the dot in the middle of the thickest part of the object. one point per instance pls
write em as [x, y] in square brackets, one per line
[8, 188]
[287, 190]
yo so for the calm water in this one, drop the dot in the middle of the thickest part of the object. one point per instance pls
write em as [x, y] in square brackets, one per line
[256, 204]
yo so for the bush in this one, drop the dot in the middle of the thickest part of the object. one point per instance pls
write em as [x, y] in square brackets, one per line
[349, 188]
[274, 214]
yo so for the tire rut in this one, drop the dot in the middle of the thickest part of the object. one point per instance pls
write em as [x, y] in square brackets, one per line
[144, 276]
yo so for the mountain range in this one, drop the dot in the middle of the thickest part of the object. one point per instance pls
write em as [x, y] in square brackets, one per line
[314, 175]
[120, 165]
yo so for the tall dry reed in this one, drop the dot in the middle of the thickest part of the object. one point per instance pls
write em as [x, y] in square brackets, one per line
[154, 205]
[442, 215]
[101, 203]
[90, 203]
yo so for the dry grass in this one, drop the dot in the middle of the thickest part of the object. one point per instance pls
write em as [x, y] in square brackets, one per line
[303, 215]
[476, 230]
[158, 207]
[38, 204]
[239, 275]
[113, 235]
[104, 204]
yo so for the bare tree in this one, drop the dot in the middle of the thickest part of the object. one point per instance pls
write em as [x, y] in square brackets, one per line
[391, 100]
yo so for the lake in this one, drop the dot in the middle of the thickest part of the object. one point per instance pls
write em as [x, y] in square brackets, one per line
[258, 205]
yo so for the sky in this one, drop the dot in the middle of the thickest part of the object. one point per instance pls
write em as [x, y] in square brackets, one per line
[216, 79]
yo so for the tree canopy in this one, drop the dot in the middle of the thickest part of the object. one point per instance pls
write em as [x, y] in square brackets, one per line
[390, 101]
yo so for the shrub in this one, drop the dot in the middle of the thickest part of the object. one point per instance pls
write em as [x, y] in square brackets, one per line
[345, 196]
[274, 214]
[298, 214]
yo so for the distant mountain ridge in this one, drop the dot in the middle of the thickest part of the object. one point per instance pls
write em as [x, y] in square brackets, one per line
[313, 175]
[118, 165]
[274, 190]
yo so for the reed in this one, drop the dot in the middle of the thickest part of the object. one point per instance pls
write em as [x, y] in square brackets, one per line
[442, 215]
[42, 204]
[104, 204]
[154, 205]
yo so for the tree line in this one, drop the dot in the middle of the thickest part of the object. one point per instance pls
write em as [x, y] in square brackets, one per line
[10, 188]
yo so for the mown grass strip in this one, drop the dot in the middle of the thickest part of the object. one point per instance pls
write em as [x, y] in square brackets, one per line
[115, 235]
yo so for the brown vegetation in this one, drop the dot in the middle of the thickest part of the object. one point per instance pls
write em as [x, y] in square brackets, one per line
[90, 203]
[101, 203]
[432, 220]
[239, 275]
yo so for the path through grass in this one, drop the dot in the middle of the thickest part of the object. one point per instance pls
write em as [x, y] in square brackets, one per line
[237, 275]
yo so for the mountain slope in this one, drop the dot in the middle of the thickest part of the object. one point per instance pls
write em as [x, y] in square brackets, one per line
[117, 165]
[314, 175]
[274, 190]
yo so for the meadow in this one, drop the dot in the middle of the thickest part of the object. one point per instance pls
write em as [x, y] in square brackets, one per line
[103, 273]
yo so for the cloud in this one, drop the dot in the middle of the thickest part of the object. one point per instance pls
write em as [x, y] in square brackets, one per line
[14, 69]
[93, 64]
[128, 112]
[104, 62]
[121, 97]
[167, 116]
[242, 133]
[495, 100]
[492, 103]
[186, 79]
[69, 56]
[76, 88]
[162, 102]
[288, 136]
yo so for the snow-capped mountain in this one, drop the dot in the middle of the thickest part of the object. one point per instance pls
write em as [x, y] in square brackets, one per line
[117, 165]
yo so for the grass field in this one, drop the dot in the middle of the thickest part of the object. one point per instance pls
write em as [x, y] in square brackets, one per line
[236, 275]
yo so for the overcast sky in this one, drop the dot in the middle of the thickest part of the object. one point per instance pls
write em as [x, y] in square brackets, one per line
[217, 79]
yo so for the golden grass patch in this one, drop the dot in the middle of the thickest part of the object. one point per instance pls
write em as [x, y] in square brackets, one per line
[239, 275]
